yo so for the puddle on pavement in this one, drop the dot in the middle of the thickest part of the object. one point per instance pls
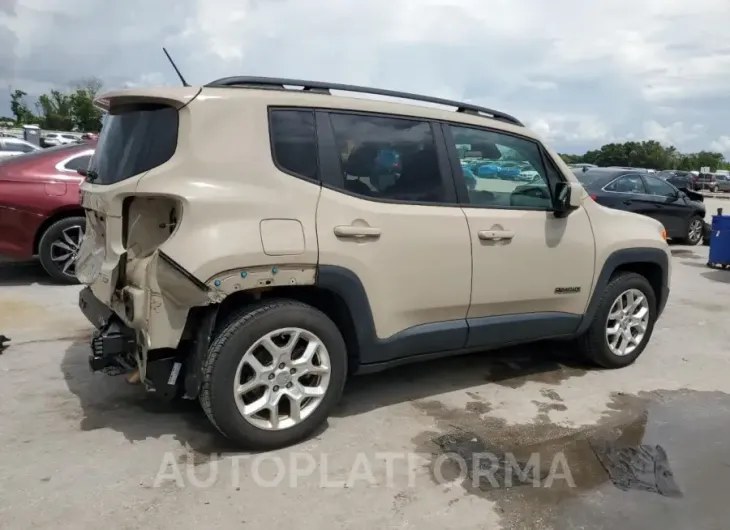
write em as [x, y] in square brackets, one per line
[516, 372]
[492, 457]
[685, 253]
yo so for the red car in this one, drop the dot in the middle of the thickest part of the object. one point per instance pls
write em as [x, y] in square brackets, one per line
[40, 214]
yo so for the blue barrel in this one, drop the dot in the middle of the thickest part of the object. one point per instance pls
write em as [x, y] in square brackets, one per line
[720, 240]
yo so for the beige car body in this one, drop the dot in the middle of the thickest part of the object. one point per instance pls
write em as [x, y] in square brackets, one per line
[245, 226]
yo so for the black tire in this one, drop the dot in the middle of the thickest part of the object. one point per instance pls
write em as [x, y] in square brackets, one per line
[594, 344]
[694, 237]
[49, 250]
[714, 189]
[228, 348]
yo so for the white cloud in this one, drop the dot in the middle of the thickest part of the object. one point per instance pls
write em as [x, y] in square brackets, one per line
[722, 145]
[583, 73]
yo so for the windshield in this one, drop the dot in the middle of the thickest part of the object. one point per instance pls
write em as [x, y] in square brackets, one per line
[134, 140]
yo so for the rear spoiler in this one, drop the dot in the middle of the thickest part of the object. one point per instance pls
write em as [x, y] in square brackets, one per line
[176, 97]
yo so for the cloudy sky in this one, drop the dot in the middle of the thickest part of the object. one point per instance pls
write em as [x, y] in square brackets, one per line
[582, 73]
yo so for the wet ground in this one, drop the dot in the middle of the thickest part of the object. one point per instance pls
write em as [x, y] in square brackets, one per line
[523, 438]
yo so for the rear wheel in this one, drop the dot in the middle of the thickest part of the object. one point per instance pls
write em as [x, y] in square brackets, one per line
[59, 246]
[273, 374]
[695, 231]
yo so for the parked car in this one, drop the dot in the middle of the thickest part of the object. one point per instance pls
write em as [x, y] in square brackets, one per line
[15, 146]
[678, 179]
[53, 139]
[257, 276]
[722, 182]
[707, 182]
[682, 212]
[40, 214]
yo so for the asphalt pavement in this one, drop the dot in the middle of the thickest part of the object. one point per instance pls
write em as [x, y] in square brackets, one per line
[406, 449]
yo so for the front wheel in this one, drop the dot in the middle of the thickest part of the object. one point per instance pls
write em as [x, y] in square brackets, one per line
[59, 246]
[273, 374]
[623, 323]
[695, 231]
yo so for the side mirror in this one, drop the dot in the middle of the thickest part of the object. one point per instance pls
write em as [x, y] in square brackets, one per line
[568, 196]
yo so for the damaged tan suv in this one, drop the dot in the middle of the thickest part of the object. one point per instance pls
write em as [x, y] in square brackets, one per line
[253, 242]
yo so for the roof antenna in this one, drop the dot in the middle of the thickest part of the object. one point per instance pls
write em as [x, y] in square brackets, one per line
[185, 83]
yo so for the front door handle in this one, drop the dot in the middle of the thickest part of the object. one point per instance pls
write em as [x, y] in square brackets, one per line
[356, 231]
[495, 235]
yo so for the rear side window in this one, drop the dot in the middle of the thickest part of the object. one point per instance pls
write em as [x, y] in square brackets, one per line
[294, 142]
[627, 184]
[134, 140]
[80, 162]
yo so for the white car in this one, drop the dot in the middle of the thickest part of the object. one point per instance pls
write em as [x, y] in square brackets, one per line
[15, 146]
[52, 139]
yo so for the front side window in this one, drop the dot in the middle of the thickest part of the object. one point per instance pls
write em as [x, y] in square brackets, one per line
[134, 140]
[657, 186]
[294, 142]
[388, 158]
[501, 170]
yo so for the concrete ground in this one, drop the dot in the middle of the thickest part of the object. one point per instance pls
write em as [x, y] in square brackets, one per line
[79, 450]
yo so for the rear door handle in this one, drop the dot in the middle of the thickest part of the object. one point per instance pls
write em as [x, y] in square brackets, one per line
[356, 231]
[495, 235]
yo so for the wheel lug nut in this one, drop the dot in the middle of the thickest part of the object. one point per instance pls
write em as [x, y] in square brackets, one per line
[293, 371]
[276, 389]
[289, 385]
[271, 376]
[282, 366]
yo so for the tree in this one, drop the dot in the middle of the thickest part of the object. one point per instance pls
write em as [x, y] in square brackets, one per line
[55, 110]
[19, 109]
[86, 116]
[649, 154]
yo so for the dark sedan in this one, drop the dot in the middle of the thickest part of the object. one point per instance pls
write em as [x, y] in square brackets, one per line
[682, 212]
[679, 179]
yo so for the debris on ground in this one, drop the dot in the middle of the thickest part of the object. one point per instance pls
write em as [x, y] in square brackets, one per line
[3, 342]
[642, 467]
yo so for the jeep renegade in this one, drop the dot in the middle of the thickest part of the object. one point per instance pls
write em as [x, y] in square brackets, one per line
[253, 242]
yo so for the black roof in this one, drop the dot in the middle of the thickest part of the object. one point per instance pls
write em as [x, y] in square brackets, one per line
[320, 87]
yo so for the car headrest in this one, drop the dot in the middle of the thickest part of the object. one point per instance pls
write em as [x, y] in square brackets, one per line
[361, 161]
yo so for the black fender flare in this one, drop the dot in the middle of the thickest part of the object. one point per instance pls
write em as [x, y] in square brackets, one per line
[622, 258]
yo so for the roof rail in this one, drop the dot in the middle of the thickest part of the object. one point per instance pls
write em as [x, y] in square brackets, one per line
[320, 87]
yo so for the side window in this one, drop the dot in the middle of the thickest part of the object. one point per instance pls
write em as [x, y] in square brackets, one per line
[294, 142]
[80, 162]
[388, 158]
[657, 186]
[627, 184]
[23, 148]
[502, 171]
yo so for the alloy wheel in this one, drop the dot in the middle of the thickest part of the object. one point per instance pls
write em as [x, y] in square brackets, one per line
[627, 323]
[65, 249]
[695, 230]
[282, 379]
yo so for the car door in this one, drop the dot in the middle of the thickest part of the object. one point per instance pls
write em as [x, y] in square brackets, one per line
[669, 206]
[532, 271]
[393, 232]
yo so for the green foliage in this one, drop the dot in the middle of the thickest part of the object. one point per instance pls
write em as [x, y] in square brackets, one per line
[648, 154]
[60, 110]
